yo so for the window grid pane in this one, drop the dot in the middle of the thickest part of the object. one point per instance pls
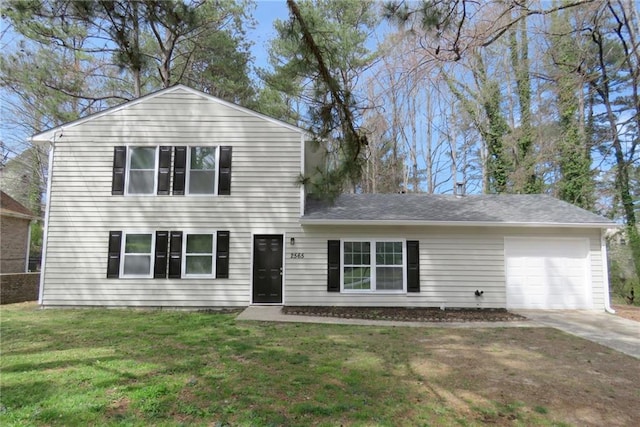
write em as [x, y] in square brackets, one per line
[143, 158]
[202, 182]
[357, 253]
[203, 158]
[199, 243]
[388, 253]
[137, 265]
[199, 264]
[357, 278]
[141, 181]
[389, 278]
[138, 244]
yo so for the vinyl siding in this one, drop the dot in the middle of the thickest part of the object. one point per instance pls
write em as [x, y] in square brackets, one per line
[454, 262]
[265, 197]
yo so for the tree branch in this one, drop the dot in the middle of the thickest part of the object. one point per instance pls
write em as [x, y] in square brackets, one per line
[327, 78]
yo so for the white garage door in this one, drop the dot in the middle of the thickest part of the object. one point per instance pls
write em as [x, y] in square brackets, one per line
[546, 273]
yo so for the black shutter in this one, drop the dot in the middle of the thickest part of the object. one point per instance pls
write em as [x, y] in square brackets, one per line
[119, 168]
[333, 279]
[175, 255]
[160, 263]
[179, 168]
[224, 171]
[222, 255]
[164, 168]
[413, 266]
[113, 262]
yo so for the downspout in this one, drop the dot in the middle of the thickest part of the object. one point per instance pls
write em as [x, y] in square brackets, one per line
[47, 213]
[28, 251]
[605, 274]
[303, 189]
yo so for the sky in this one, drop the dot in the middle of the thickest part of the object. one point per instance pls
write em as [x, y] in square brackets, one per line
[265, 13]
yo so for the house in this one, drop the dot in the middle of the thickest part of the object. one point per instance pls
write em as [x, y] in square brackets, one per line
[15, 222]
[180, 199]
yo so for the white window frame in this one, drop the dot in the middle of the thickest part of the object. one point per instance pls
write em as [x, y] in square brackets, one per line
[155, 171]
[123, 254]
[373, 265]
[214, 249]
[187, 178]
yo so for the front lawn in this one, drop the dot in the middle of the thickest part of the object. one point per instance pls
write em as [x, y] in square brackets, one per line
[136, 367]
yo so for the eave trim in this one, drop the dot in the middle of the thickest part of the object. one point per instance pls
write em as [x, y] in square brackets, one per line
[595, 225]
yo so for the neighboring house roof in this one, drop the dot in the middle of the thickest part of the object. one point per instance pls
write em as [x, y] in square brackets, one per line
[11, 207]
[431, 209]
[49, 134]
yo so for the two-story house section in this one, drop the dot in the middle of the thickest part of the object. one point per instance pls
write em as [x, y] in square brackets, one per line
[180, 199]
[173, 199]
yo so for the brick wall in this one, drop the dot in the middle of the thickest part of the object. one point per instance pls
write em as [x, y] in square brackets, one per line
[19, 287]
[13, 247]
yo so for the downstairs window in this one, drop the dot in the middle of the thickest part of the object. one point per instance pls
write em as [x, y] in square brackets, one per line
[199, 255]
[369, 266]
[137, 254]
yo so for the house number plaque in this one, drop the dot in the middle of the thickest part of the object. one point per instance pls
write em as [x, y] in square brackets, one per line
[297, 255]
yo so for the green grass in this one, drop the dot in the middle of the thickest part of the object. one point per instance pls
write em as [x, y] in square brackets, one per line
[135, 367]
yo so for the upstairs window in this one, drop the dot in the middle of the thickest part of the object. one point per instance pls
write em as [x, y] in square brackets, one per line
[142, 170]
[202, 173]
[197, 170]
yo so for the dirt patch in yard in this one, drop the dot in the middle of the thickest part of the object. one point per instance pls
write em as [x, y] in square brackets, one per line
[628, 311]
[407, 314]
[512, 376]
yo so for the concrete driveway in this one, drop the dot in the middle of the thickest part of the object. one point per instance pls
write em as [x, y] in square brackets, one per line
[600, 327]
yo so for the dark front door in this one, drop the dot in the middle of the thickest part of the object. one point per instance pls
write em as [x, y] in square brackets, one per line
[267, 268]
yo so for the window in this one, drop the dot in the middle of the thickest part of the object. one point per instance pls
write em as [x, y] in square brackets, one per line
[198, 254]
[141, 176]
[373, 266]
[201, 176]
[389, 272]
[357, 265]
[137, 254]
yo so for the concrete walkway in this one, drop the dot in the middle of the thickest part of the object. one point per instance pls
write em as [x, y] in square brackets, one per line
[274, 314]
[612, 331]
[602, 328]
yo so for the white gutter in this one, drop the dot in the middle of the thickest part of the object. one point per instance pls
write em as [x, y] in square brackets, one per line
[605, 274]
[45, 232]
[302, 172]
[28, 251]
[6, 212]
[394, 223]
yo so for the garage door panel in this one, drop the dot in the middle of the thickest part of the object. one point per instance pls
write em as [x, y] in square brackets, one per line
[547, 273]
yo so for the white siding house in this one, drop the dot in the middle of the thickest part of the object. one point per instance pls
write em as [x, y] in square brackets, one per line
[179, 199]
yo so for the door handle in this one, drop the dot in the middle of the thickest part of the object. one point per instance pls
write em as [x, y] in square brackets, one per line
[281, 271]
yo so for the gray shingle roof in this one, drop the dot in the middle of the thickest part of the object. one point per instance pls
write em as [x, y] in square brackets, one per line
[533, 209]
